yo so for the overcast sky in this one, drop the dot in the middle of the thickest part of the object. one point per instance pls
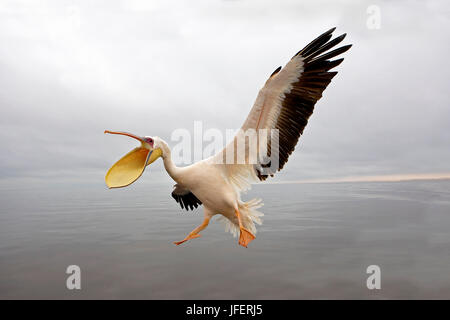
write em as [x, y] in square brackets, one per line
[71, 69]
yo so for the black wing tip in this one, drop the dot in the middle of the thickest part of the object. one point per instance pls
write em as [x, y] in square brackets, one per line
[322, 41]
[316, 41]
[341, 37]
[336, 62]
[323, 61]
[275, 72]
[346, 47]
[330, 31]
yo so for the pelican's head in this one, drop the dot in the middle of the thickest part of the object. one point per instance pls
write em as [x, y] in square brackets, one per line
[131, 166]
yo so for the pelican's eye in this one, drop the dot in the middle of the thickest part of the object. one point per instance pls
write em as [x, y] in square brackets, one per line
[149, 140]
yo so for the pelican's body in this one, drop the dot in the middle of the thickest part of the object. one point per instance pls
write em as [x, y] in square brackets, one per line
[202, 177]
[283, 106]
[208, 181]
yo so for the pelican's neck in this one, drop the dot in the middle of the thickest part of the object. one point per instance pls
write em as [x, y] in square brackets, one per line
[169, 165]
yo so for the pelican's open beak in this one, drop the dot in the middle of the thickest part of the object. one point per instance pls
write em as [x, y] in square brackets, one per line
[131, 166]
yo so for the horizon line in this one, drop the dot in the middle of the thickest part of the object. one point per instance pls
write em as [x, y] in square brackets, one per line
[371, 178]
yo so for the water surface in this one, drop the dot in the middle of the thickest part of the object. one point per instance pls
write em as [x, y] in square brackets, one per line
[316, 242]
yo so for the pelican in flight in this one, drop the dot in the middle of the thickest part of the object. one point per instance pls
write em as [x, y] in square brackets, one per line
[283, 105]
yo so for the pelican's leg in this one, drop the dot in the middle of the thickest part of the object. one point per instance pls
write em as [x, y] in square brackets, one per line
[245, 236]
[194, 233]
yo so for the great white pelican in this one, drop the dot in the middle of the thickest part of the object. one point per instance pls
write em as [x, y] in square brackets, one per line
[285, 104]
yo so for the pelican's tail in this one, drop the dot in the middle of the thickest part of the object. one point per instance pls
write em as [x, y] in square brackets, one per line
[250, 215]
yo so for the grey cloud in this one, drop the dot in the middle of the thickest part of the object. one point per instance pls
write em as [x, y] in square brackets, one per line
[70, 71]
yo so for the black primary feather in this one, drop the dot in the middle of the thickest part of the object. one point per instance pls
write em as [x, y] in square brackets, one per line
[185, 198]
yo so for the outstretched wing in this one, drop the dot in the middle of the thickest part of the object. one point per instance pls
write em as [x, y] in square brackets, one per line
[285, 103]
[185, 198]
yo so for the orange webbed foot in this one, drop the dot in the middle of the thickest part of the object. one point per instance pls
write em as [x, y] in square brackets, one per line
[189, 237]
[245, 237]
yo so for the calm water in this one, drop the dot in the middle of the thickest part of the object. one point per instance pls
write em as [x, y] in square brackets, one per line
[316, 242]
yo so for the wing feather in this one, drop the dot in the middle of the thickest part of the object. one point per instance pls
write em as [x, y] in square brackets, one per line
[185, 198]
[285, 103]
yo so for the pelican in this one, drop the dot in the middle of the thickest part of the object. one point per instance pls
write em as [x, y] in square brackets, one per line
[283, 105]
